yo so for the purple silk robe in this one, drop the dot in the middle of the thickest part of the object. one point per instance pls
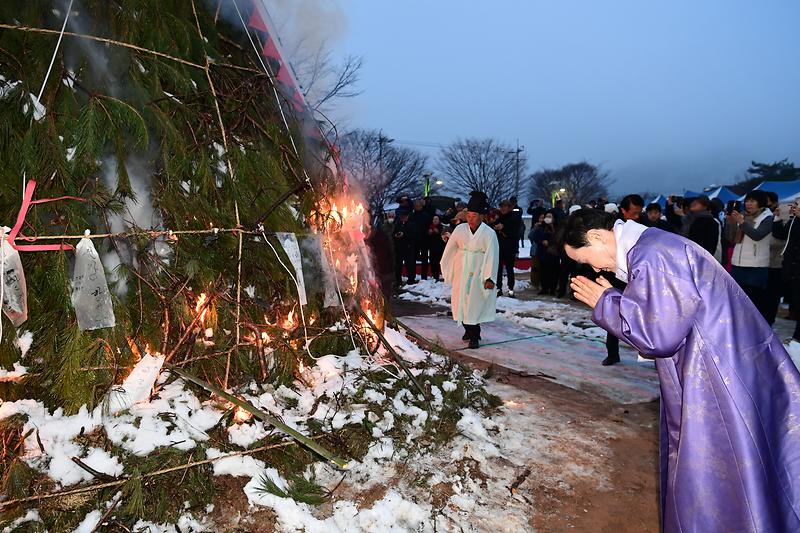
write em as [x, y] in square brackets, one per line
[730, 394]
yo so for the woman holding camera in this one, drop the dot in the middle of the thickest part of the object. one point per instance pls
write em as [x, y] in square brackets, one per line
[752, 233]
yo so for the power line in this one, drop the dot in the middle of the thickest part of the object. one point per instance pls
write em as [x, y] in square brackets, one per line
[420, 143]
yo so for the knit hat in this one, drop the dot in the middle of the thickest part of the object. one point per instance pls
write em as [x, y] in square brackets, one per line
[477, 203]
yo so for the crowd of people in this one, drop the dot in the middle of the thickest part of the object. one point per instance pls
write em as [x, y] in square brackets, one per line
[418, 235]
[756, 240]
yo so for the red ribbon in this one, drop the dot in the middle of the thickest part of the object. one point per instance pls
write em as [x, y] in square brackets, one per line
[27, 201]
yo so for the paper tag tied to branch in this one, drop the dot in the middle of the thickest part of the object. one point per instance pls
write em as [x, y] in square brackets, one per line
[292, 248]
[15, 290]
[90, 296]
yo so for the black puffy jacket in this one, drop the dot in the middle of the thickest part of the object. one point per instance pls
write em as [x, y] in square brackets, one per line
[789, 230]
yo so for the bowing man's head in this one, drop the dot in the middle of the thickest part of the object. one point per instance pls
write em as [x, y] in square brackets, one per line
[588, 238]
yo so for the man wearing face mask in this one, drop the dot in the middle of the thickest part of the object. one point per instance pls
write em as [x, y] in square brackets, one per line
[730, 394]
[544, 236]
[469, 264]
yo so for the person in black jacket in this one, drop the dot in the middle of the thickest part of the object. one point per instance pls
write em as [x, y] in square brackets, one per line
[698, 224]
[786, 227]
[517, 211]
[506, 225]
[544, 235]
[436, 246]
[421, 218]
[380, 248]
[404, 236]
[704, 229]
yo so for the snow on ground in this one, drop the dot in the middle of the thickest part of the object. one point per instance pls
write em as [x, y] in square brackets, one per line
[462, 485]
[550, 316]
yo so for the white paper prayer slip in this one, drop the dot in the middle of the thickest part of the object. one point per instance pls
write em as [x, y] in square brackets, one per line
[292, 249]
[90, 296]
[15, 291]
[331, 298]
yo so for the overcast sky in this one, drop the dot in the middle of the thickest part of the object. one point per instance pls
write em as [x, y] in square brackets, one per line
[664, 95]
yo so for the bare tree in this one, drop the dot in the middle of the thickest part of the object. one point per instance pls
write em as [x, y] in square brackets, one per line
[383, 171]
[323, 80]
[582, 182]
[483, 165]
[309, 31]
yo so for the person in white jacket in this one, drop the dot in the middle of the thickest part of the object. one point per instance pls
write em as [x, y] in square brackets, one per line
[469, 263]
[752, 233]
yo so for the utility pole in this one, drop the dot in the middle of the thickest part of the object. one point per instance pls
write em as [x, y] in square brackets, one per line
[516, 177]
[382, 139]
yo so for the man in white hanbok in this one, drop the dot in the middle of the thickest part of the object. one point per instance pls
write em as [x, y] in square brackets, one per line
[469, 263]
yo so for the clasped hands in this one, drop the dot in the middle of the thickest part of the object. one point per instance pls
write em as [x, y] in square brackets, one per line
[588, 291]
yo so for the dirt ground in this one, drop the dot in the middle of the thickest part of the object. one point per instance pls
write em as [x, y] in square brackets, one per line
[629, 501]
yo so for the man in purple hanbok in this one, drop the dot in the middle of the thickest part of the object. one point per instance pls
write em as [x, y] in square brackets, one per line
[730, 394]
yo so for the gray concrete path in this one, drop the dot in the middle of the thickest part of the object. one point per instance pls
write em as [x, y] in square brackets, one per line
[573, 361]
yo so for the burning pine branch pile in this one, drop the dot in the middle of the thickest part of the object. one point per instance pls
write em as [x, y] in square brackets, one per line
[239, 307]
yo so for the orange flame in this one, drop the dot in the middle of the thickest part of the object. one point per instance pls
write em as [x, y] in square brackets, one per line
[201, 302]
[134, 349]
[241, 415]
[290, 321]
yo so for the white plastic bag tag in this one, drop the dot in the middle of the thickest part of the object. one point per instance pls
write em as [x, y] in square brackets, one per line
[90, 296]
[15, 291]
[292, 249]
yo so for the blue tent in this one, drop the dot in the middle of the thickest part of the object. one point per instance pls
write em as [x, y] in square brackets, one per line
[660, 200]
[786, 190]
[692, 194]
[724, 194]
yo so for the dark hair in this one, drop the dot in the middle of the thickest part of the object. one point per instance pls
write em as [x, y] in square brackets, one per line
[653, 207]
[631, 199]
[716, 206]
[702, 200]
[771, 196]
[573, 231]
[759, 196]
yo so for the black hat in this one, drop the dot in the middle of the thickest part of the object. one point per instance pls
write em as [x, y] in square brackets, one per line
[402, 212]
[477, 203]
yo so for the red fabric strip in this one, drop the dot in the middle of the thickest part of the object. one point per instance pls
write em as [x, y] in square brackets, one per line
[27, 201]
